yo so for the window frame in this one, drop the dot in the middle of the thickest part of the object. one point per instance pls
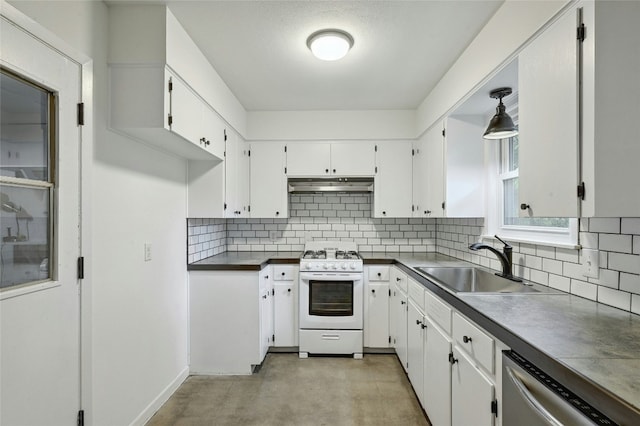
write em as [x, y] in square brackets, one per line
[50, 184]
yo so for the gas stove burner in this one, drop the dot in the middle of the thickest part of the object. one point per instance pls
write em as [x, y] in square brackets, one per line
[341, 254]
[311, 254]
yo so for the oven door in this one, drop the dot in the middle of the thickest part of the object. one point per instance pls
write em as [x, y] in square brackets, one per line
[331, 301]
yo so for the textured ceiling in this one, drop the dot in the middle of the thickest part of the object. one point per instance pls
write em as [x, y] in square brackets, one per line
[401, 50]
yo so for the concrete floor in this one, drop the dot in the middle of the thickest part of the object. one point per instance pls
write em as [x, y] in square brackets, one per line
[291, 391]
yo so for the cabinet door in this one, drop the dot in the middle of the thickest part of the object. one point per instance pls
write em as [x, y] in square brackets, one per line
[285, 314]
[308, 159]
[420, 182]
[214, 132]
[434, 151]
[415, 354]
[243, 178]
[393, 180]
[186, 112]
[437, 375]
[376, 327]
[471, 393]
[353, 158]
[464, 167]
[231, 162]
[268, 185]
[266, 311]
[401, 327]
[548, 126]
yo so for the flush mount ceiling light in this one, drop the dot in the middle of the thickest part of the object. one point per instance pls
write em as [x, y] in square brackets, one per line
[330, 45]
[501, 125]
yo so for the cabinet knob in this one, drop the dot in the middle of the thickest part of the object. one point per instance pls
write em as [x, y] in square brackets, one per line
[379, 274]
[202, 140]
[373, 290]
[427, 212]
[266, 277]
[466, 339]
[398, 279]
[277, 213]
[283, 274]
[452, 360]
[423, 326]
[402, 302]
[288, 290]
[326, 170]
[418, 322]
[207, 142]
[524, 206]
[384, 213]
[264, 297]
[334, 170]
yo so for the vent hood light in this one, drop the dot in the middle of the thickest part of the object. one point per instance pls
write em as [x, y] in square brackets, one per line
[501, 125]
[330, 45]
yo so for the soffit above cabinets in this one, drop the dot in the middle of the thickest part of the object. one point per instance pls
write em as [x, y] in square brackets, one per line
[401, 49]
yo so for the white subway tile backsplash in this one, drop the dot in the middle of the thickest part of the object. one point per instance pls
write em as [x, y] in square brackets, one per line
[568, 255]
[604, 225]
[584, 289]
[630, 225]
[615, 242]
[630, 282]
[625, 262]
[618, 299]
[552, 266]
[607, 278]
[560, 283]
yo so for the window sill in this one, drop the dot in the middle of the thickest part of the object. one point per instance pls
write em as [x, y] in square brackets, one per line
[536, 242]
[11, 292]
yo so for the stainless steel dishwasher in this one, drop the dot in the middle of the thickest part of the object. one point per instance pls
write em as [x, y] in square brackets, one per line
[531, 398]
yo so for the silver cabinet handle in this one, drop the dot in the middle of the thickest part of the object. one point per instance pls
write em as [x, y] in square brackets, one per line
[531, 400]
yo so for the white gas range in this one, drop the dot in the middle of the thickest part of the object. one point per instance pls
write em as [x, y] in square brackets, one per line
[331, 299]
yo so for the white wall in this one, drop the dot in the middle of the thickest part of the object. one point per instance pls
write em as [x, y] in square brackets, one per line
[328, 125]
[139, 309]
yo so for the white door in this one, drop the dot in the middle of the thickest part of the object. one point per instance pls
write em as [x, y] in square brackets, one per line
[401, 328]
[285, 316]
[471, 393]
[376, 328]
[353, 158]
[437, 375]
[309, 159]
[40, 322]
[415, 356]
[393, 180]
[434, 142]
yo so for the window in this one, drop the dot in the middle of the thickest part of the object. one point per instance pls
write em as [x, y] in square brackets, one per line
[505, 220]
[26, 181]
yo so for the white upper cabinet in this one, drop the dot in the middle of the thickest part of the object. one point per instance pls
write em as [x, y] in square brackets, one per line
[464, 166]
[428, 174]
[393, 180]
[330, 159]
[611, 107]
[149, 99]
[236, 176]
[548, 122]
[269, 197]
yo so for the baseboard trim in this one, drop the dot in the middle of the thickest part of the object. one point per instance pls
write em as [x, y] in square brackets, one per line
[166, 393]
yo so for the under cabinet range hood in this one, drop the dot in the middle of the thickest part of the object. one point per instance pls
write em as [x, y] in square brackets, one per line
[333, 184]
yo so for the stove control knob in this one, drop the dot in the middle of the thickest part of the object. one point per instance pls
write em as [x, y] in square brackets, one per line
[352, 265]
[325, 266]
[343, 265]
[308, 265]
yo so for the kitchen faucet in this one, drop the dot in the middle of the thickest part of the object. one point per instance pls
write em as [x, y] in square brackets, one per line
[505, 258]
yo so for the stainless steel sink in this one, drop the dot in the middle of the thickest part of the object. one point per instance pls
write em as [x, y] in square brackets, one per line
[475, 280]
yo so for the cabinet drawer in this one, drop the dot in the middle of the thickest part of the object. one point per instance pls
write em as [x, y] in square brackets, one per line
[474, 341]
[416, 293]
[378, 273]
[399, 279]
[439, 311]
[284, 273]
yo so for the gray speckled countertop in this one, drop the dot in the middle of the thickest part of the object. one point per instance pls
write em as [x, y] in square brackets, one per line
[580, 342]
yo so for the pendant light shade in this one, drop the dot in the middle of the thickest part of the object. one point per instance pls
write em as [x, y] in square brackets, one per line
[501, 125]
[330, 45]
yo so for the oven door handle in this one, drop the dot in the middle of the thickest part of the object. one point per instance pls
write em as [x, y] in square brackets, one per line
[531, 400]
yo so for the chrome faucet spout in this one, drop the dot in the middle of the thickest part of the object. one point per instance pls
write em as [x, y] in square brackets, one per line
[505, 258]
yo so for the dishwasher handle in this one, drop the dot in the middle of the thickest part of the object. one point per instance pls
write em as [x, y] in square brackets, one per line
[530, 399]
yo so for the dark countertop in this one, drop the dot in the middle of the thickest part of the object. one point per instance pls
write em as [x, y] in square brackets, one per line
[592, 348]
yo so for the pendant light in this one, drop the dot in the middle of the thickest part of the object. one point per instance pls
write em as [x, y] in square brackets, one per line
[501, 125]
[330, 45]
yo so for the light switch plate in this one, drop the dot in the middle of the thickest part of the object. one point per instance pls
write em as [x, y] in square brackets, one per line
[147, 252]
[590, 260]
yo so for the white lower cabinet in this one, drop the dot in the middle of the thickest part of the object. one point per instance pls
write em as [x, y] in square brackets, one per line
[472, 392]
[266, 311]
[376, 308]
[398, 314]
[437, 374]
[226, 315]
[415, 348]
[285, 313]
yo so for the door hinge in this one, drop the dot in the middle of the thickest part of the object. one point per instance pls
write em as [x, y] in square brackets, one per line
[443, 205]
[170, 119]
[413, 208]
[81, 114]
[413, 152]
[582, 32]
[444, 132]
[376, 169]
[81, 418]
[581, 191]
[225, 135]
[285, 170]
[375, 148]
[81, 267]
[389, 339]
[249, 208]
[249, 153]
[285, 148]
[273, 338]
[170, 84]
[225, 206]
[389, 292]
[494, 407]
[224, 154]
